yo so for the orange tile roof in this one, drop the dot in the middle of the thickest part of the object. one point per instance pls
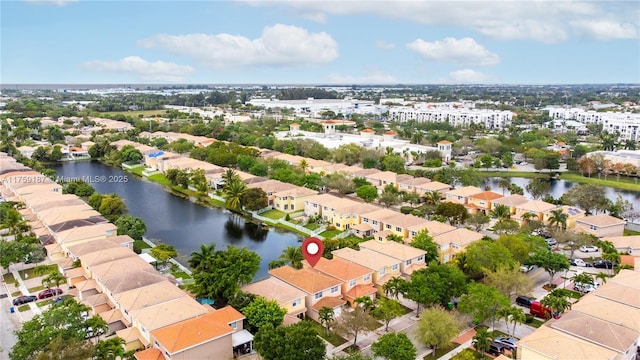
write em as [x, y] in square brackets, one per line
[360, 290]
[305, 279]
[332, 302]
[228, 315]
[444, 142]
[390, 132]
[367, 131]
[149, 354]
[188, 333]
[486, 195]
[340, 268]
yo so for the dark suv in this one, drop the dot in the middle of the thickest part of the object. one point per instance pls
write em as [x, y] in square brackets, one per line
[496, 348]
[24, 299]
[524, 301]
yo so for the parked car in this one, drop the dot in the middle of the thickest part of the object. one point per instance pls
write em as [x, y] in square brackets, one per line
[44, 294]
[23, 299]
[537, 309]
[524, 301]
[59, 300]
[526, 268]
[579, 262]
[588, 248]
[584, 288]
[603, 264]
[496, 348]
[551, 241]
[508, 342]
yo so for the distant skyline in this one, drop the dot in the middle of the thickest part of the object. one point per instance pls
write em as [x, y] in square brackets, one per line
[319, 42]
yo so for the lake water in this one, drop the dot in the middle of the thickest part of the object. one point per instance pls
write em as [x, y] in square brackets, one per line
[180, 222]
[559, 187]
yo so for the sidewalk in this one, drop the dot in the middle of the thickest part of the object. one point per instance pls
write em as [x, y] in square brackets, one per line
[25, 291]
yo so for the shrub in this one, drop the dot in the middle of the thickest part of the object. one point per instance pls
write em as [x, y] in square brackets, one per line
[287, 218]
[528, 318]
[406, 209]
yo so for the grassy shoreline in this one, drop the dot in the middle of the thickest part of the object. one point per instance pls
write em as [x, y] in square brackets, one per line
[625, 183]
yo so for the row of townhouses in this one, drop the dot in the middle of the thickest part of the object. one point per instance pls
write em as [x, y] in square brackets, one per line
[139, 304]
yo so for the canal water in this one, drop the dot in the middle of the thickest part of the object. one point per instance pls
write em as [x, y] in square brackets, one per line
[559, 187]
[180, 222]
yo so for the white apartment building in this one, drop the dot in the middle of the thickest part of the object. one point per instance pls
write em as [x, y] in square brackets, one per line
[491, 119]
[314, 107]
[626, 124]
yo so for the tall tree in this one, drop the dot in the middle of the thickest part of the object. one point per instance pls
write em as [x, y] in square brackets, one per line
[482, 340]
[198, 257]
[262, 312]
[163, 252]
[387, 310]
[558, 219]
[353, 323]
[423, 241]
[233, 192]
[394, 346]
[293, 342]
[551, 262]
[437, 327]
[326, 317]
[134, 227]
[292, 255]
[482, 302]
[454, 213]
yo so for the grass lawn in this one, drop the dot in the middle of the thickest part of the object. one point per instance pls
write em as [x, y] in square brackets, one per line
[16, 293]
[536, 323]
[135, 114]
[273, 214]
[37, 288]
[45, 303]
[628, 232]
[181, 274]
[138, 245]
[333, 338]
[464, 354]
[328, 234]
[625, 183]
[441, 351]
[9, 279]
[312, 226]
[160, 179]
[23, 308]
[29, 273]
[522, 174]
[136, 170]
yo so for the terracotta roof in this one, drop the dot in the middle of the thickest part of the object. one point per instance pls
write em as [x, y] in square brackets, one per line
[360, 290]
[340, 268]
[537, 206]
[149, 354]
[601, 220]
[294, 124]
[390, 132]
[367, 131]
[444, 142]
[305, 279]
[486, 195]
[332, 302]
[192, 332]
[274, 289]
[367, 258]
[228, 315]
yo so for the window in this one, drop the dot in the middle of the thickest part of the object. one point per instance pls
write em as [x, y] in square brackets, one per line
[389, 226]
[408, 262]
[374, 222]
[394, 267]
[398, 229]
[286, 207]
[352, 282]
[420, 258]
[335, 289]
[292, 207]
[318, 295]
[382, 271]
[365, 220]
[315, 205]
[234, 325]
[295, 303]
[366, 277]
[593, 227]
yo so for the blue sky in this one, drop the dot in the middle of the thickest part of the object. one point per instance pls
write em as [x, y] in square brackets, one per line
[320, 42]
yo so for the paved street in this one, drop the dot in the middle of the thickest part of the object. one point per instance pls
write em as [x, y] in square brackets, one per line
[8, 322]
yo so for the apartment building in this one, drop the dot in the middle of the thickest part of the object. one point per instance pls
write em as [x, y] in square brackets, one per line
[625, 124]
[490, 119]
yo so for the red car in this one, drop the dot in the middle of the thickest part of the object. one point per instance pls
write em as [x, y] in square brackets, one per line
[49, 293]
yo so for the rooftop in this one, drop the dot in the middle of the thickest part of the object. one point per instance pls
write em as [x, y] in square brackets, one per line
[305, 279]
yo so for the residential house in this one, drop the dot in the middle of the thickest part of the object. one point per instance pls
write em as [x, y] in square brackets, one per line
[482, 202]
[289, 297]
[401, 224]
[384, 267]
[425, 188]
[537, 208]
[381, 179]
[410, 258]
[453, 242]
[625, 244]
[86, 233]
[292, 199]
[411, 185]
[461, 195]
[602, 225]
[433, 227]
[512, 201]
[321, 290]
[217, 334]
[573, 213]
[356, 279]
[343, 213]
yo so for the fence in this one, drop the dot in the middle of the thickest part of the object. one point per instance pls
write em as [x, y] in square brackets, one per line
[289, 224]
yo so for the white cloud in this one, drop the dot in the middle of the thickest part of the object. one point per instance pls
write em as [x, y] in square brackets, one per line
[381, 44]
[467, 76]
[278, 45]
[461, 51]
[52, 2]
[545, 21]
[371, 78]
[143, 69]
[605, 29]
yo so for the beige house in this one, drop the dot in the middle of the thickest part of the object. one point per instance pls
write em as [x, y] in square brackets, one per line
[321, 290]
[356, 279]
[287, 296]
[452, 242]
[410, 258]
[625, 244]
[384, 267]
[461, 195]
[482, 201]
[602, 225]
[424, 188]
[536, 207]
[512, 201]
[411, 185]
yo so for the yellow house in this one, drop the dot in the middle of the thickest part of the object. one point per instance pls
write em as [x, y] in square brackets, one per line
[461, 195]
[293, 199]
[384, 267]
[411, 259]
[483, 201]
[356, 279]
[536, 207]
[290, 298]
[342, 213]
[453, 242]
[402, 224]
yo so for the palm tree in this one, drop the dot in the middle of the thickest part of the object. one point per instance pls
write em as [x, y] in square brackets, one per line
[583, 279]
[198, 257]
[14, 222]
[517, 317]
[233, 192]
[556, 301]
[482, 340]
[229, 176]
[602, 277]
[54, 278]
[432, 198]
[326, 316]
[303, 165]
[394, 286]
[528, 217]
[558, 219]
[293, 255]
[500, 212]
[614, 257]
[504, 184]
[364, 302]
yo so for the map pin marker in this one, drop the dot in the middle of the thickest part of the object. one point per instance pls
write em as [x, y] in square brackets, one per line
[312, 249]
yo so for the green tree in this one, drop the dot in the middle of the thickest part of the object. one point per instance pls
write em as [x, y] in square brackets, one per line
[482, 302]
[254, 199]
[482, 340]
[500, 211]
[352, 323]
[582, 279]
[437, 284]
[326, 317]
[510, 281]
[292, 255]
[588, 197]
[134, 227]
[262, 312]
[199, 257]
[488, 256]
[395, 286]
[54, 278]
[558, 219]
[423, 241]
[538, 188]
[67, 321]
[478, 220]
[394, 346]
[364, 302]
[95, 200]
[199, 180]
[163, 252]
[233, 191]
[67, 349]
[437, 327]
[110, 349]
[221, 275]
[390, 196]
[551, 262]
[387, 310]
[367, 193]
[454, 213]
[112, 207]
[557, 301]
[293, 342]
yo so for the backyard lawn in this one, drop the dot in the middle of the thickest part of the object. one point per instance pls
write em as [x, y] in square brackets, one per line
[328, 234]
[273, 214]
[333, 338]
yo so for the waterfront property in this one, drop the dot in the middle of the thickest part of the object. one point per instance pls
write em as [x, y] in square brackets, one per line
[601, 225]
[384, 267]
[356, 279]
[290, 298]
